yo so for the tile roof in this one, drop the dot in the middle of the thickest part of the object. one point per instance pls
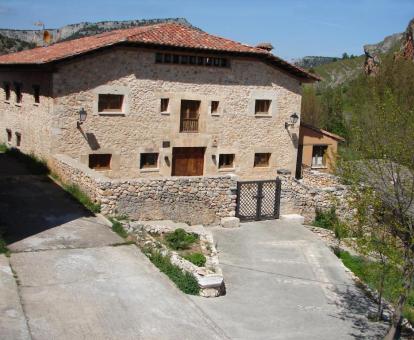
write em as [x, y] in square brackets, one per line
[164, 34]
[324, 132]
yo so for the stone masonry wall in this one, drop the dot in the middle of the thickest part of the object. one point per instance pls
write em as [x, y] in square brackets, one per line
[143, 128]
[314, 191]
[196, 200]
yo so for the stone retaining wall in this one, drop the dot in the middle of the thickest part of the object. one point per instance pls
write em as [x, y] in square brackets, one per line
[195, 200]
[315, 191]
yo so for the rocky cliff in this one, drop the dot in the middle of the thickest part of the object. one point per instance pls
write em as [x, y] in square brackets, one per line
[15, 40]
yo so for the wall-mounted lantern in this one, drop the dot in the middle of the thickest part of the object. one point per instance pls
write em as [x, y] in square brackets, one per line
[293, 120]
[82, 117]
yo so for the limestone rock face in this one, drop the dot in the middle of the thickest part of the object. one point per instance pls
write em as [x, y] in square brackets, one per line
[408, 46]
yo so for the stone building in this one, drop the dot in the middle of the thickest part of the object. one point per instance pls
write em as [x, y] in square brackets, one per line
[154, 101]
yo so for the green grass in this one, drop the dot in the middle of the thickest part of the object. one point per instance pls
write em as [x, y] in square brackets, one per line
[118, 228]
[185, 281]
[179, 239]
[325, 218]
[34, 164]
[368, 271]
[196, 258]
[83, 198]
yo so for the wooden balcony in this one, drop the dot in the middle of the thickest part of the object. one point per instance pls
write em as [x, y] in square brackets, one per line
[189, 125]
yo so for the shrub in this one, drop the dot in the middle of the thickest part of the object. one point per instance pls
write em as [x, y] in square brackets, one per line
[3, 148]
[84, 199]
[118, 228]
[196, 258]
[185, 281]
[179, 239]
[326, 219]
[3, 244]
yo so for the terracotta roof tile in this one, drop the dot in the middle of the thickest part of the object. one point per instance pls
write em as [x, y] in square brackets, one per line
[165, 34]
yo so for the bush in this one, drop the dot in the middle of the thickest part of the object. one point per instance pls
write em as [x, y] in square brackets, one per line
[196, 258]
[84, 199]
[185, 281]
[118, 228]
[3, 148]
[3, 244]
[179, 239]
[326, 219]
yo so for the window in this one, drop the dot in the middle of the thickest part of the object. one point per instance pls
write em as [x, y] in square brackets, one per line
[9, 135]
[100, 161]
[18, 92]
[262, 106]
[189, 115]
[168, 58]
[226, 161]
[110, 102]
[215, 106]
[319, 155]
[149, 161]
[18, 138]
[36, 93]
[7, 91]
[165, 104]
[261, 160]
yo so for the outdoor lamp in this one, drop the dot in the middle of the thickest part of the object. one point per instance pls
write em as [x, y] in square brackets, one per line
[293, 120]
[82, 117]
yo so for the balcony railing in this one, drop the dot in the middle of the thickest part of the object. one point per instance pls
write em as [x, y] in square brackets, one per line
[189, 125]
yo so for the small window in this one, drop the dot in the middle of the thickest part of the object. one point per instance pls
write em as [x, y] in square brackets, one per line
[100, 161]
[261, 160]
[158, 57]
[262, 106]
[149, 161]
[9, 135]
[18, 92]
[36, 93]
[176, 59]
[226, 161]
[110, 103]
[167, 58]
[319, 155]
[165, 104]
[215, 106]
[7, 91]
[18, 138]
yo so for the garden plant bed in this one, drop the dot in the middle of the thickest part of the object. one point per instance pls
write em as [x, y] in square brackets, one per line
[158, 240]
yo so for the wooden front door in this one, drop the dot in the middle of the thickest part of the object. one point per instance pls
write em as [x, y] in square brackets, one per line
[188, 161]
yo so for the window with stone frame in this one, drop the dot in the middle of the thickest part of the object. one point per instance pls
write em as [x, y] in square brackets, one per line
[165, 103]
[261, 159]
[36, 94]
[18, 138]
[262, 106]
[226, 161]
[9, 135]
[7, 91]
[149, 160]
[18, 92]
[215, 106]
[110, 102]
[100, 161]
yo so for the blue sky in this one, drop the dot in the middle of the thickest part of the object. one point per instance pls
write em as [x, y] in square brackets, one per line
[295, 27]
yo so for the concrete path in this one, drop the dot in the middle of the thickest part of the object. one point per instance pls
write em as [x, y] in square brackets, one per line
[282, 283]
[70, 277]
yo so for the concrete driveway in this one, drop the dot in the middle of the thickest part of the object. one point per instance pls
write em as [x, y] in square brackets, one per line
[70, 277]
[283, 283]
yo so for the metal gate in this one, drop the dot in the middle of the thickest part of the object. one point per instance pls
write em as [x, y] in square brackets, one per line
[258, 200]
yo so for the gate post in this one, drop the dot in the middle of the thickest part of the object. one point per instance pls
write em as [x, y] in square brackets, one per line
[238, 200]
[259, 200]
[277, 197]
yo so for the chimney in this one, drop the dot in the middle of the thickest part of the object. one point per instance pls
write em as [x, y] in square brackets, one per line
[265, 46]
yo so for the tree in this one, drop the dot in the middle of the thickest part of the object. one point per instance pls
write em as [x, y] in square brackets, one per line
[345, 55]
[382, 133]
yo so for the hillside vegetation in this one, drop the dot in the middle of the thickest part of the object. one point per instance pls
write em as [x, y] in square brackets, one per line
[10, 45]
